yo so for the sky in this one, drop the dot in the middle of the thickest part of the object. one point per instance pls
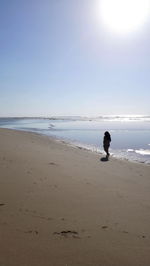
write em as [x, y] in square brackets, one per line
[57, 57]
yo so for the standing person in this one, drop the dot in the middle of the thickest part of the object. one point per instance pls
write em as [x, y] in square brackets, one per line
[106, 143]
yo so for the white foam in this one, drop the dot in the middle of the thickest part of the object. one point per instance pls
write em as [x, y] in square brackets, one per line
[130, 150]
[143, 152]
[119, 118]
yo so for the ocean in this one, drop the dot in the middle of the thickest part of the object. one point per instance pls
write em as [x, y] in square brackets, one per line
[130, 134]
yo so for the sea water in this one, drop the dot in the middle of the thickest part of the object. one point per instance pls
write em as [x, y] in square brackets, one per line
[130, 134]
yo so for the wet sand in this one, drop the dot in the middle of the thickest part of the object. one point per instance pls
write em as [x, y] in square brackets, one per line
[61, 205]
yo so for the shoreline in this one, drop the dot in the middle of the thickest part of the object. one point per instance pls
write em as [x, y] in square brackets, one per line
[88, 147]
[61, 205]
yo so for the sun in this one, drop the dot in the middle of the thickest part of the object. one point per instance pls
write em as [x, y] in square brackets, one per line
[124, 16]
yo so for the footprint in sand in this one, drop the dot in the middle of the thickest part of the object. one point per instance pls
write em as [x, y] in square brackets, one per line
[67, 233]
[104, 227]
[52, 163]
[125, 232]
[29, 172]
[31, 231]
[36, 215]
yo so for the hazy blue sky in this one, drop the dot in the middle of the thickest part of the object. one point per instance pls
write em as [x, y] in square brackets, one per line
[58, 58]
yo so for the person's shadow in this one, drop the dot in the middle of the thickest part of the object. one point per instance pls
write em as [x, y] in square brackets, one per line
[104, 159]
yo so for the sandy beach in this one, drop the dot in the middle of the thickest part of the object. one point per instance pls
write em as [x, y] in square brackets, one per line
[63, 206]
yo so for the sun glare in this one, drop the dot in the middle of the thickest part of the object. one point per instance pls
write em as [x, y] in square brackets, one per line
[124, 16]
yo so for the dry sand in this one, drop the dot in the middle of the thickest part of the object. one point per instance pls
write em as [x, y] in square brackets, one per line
[63, 206]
